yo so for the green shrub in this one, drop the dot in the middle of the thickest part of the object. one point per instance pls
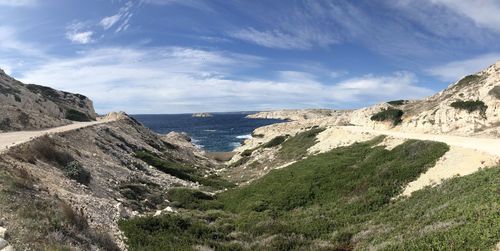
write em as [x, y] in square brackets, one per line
[182, 171]
[75, 115]
[276, 141]
[397, 102]
[247, 152]
[192, 199]
[75, 171]
[389, 114]
[470, 106]
[296, 147]
[471, 79]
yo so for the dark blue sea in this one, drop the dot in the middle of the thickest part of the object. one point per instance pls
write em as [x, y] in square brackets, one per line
[221, 133]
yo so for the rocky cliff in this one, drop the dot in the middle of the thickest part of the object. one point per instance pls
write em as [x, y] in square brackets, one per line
[28, 106]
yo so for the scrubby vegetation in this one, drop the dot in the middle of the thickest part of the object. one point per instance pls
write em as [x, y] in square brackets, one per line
[192, 199]
[43, 221]
[74, 170]
[397, 102]
[296, 146]
[182, 171]
[468, 80]
[389, 114]
[470, 106]
[340, 200]
[75, 115]
[276, 141]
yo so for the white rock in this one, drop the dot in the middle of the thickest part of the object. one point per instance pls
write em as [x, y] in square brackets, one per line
[3, 243]
[8, 248]
[2, 232]
[158, 212]
[169, 209]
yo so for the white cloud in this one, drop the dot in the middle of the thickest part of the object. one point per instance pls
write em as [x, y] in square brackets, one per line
[453, 71]
[18, 3]
[484, 12]
[84, 37]
[79, 33]
[108, 22]
[172, 79]
[282, 40]
[124, 15]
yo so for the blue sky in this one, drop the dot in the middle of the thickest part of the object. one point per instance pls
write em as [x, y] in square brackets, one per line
[178, 56]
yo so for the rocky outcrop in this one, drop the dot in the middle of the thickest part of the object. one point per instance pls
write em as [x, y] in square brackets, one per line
[296, 114]
[28, 106]
[470, 106]
[202, 115]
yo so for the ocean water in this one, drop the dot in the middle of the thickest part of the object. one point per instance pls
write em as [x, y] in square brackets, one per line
[221, 133]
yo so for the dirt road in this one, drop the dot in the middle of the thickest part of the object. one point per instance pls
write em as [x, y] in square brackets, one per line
[486, 145]
[11, 139]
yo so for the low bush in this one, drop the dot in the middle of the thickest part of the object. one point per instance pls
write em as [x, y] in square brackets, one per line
[276, 141]
[192, 199]
[470, 106]
[75, 115]
[182, 171]
[397, 102]
[75, 171]
[247, 152]
[45, 149]
[389, 114]
[468, 80]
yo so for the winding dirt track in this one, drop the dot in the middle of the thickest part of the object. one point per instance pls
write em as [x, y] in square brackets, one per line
[10, 139]
[486, 145]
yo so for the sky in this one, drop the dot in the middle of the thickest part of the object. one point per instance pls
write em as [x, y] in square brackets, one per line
[182, 56]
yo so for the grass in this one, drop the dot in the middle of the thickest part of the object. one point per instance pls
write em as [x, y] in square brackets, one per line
[470, 106]
[182, 171]
[296, 146]
[339, 200]
[389, 114]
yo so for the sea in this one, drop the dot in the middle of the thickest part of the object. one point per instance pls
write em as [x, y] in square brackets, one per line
[222, 132]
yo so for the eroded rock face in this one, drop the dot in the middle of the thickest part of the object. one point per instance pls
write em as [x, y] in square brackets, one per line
[27, 107]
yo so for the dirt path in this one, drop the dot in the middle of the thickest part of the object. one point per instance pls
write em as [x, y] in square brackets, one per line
[486, 145]
[10, 139]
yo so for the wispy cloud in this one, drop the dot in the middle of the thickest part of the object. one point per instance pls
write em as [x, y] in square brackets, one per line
[200, 5]
[18, 3]
[79, 33]
[484, 13]
[174, 79]
[452, 71]
[121, 19]
[281, 40]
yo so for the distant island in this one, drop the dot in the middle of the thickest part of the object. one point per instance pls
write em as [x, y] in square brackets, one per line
[202, 115]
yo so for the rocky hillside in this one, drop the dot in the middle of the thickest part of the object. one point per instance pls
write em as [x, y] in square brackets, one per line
[469, 106]
[70, 190]
[29, 106]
